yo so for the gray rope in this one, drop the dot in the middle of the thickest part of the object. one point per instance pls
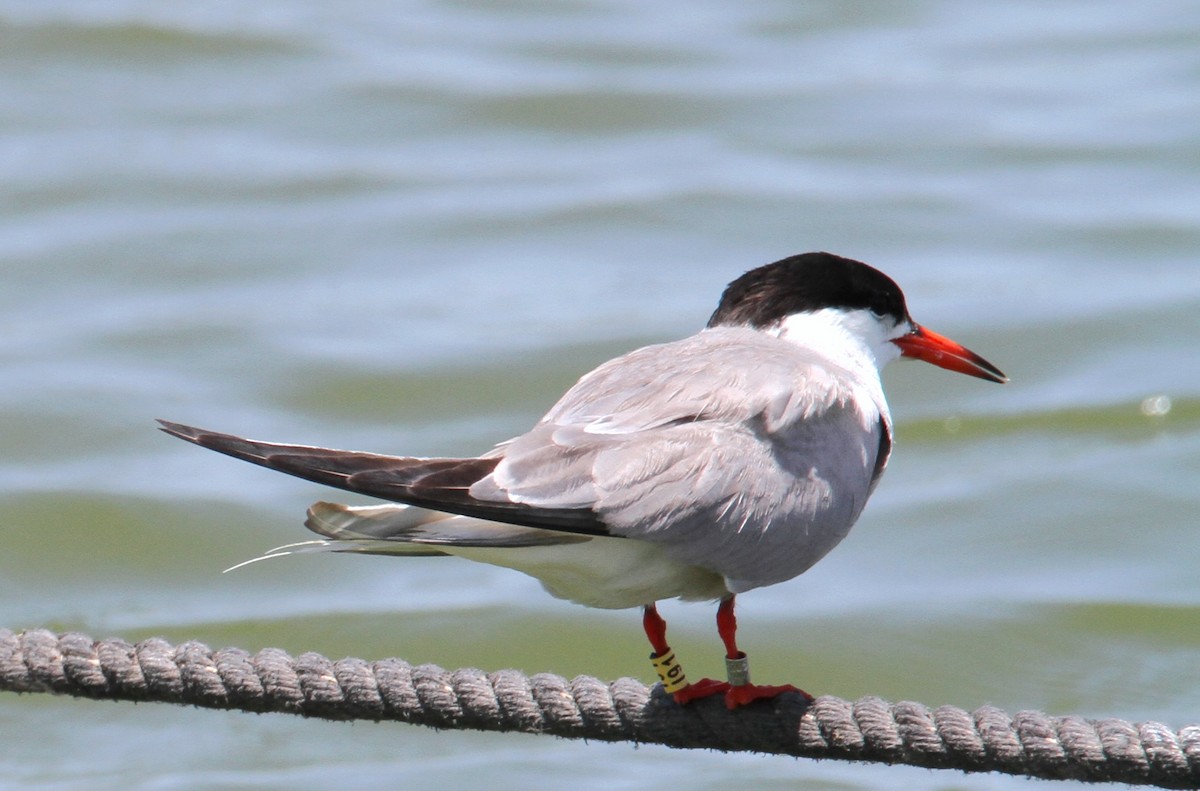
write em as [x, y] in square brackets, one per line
[870, 729]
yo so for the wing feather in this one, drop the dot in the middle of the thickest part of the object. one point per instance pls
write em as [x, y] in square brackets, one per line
[437, 484]
[733, 451]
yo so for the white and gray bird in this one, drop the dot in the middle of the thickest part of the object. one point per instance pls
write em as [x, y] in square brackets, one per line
[697, 469]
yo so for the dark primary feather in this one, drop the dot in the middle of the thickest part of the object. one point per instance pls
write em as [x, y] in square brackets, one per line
[437, 484]
[885, 451]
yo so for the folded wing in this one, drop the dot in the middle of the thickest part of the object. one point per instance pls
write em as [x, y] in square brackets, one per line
[435, 484]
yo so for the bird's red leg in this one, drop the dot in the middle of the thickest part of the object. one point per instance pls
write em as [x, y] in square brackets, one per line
[737, 666]
[670, 672]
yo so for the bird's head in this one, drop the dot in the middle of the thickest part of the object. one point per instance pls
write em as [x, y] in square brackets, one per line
[816, 292]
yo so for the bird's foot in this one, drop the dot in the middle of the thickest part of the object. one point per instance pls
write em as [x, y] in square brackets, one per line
[740, 694]
[741, 691]
[738, 690]
[704, 688]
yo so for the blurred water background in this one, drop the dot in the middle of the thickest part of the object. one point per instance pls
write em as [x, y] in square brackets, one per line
[407, 227]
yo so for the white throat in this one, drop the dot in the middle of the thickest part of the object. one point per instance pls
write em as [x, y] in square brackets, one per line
[855, 340]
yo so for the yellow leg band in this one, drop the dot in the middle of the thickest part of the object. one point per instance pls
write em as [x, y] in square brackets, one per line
[670, 672]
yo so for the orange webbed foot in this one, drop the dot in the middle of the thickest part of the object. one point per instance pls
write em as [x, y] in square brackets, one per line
[742, 694]
[704, 688]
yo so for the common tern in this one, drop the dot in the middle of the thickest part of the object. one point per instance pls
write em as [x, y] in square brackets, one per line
[697, 469]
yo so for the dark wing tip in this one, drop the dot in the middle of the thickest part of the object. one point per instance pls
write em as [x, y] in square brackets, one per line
[199, 436]
[190, 433]
[229, 444]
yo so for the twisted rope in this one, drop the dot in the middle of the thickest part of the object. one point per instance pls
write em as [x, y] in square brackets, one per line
[870, 729]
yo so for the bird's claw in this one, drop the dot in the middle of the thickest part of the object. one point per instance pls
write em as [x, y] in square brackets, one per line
[736, 695]
[704, 688]
[742, 694]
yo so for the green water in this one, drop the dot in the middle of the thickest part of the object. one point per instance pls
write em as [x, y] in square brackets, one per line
[409, 229]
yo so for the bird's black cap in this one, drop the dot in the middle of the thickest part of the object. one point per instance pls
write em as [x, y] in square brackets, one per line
[765, 296]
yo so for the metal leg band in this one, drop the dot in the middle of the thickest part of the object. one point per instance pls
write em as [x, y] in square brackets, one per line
[738, 670]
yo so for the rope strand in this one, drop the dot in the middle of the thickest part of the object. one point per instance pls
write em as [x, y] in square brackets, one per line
[1030, 743]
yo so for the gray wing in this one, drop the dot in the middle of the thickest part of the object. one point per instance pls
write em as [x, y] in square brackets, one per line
[737, 451]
